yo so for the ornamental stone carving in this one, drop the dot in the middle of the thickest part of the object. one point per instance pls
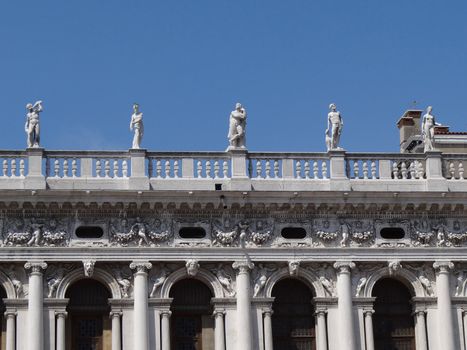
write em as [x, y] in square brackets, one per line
[294, 266]
[35, 232]
[394, 266]
[35, 266]
[55, 275]
[360, 285]
[261, 234]
[138, 232]
[124, 282]
[325, 233]
[345, 233]
[225, 234]
[427, 285]
[225, 278]
[460, 278]
[192, 267]
[12, 273]
[423, 233]
[88, 266]
[362, 232]
[141, 266]
[260, 277]
[158, 278]
[32, 127]
[237, 128]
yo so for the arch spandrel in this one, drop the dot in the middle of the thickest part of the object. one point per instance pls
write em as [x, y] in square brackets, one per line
[203, 275]
[99, 275]
[406, 277]
[8, 286]
[304, 275]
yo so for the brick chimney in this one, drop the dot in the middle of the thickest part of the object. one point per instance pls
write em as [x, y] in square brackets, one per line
[409, 125]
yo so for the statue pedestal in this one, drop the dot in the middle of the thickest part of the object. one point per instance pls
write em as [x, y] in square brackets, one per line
[35, 178]
[139, 180]
[240, 181]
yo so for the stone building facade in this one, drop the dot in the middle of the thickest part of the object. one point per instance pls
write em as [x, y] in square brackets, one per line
[232, 250]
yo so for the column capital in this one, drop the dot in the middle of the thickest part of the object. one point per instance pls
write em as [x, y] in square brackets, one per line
[368, 312]
[321, 312]
[218, 313]
[344, 266]
[10, 313]
[141, 266]
[243, 266]
[443, 266]
[35, 266]
[419, 312]
[61, 313]
[166, 313]
[116, 313]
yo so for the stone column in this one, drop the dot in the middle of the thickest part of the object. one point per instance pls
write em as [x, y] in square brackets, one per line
[322, 338]
[10, 316]
[445, 319]
[165, 326]
[219, 336]
[464, 321]
[420, 330]
[268, 340]
[115, 316]
[35, 337]
[369, 337]
[61, 330]
[344, 305]
[140, 296]
[244, 327]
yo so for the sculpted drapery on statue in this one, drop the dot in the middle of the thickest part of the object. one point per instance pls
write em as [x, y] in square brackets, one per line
[136, 125]
[32, 123]
[237, 127]
[428, 129]
[334, 129]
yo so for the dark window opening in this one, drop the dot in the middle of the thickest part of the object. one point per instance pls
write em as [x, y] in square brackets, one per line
[192, 232]
[218, 187]
[392, 233]
[89, 232]
[293, 232]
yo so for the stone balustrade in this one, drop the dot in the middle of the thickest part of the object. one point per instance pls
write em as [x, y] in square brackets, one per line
[244, 171]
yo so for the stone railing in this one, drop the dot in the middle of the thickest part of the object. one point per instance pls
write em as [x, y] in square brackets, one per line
[235, 170]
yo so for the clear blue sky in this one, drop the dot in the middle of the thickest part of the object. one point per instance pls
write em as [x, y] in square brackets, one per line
[187, 62]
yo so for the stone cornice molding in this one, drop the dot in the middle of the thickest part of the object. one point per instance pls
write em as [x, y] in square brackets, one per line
[36, 267]
[141, 266]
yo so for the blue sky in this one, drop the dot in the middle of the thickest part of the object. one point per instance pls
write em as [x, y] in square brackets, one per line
[187, 62]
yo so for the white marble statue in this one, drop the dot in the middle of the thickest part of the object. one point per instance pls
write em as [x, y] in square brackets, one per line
[237, 127]
[32, 123]
[334, 130]
[428, 129]
[136, 125]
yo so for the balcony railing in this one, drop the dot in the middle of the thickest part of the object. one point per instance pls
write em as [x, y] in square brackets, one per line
[236, 170]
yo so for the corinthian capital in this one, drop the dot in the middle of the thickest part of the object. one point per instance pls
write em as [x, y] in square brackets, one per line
[443, 266]
[141, 266]
[35, 266]
[243, 266]
[344, 266]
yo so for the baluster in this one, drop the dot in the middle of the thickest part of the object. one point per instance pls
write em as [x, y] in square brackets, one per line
[412, 170]
[324, 169]
[56, 168]
[395, 171]
[47, 167]
[199, 168]
[276, 169]
[13, 167]
[208, 169]
[5, 168]
[365, 170]
[98, 168]
[176, 167]
[461, 171]
[151, 167]
[418, 169]
[125, 168]
[65, 168]
[107, 168]
[298, 169]
[356, 169]
[225, 169]
[307, 169]
[258, 168]
[216, 169]
[315, 170]
[268, 168]
[404, 170]
[452, 170]
[158, 168]
[373, 169]
[21, 167]
[167, 168]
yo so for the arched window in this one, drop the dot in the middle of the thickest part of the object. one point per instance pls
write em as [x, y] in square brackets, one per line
[88, 313]
[293, 320]
[393, 323]
[192, 324]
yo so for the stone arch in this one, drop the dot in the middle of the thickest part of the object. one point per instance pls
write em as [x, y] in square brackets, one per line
[406, 277]
[306, 276]
[203, 275]
[8, 286]
[99, 275]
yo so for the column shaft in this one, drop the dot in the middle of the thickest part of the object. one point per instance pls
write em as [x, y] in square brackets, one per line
[35, 339]
[268, 339]
[344, 305]
[420, 325]
[10, 330]
[219, 337]
[322, 341]
[165, 330]
[369, 337]
[140, 308]
[445, 319]
[243, 306]
[61, 342]
[116, 330]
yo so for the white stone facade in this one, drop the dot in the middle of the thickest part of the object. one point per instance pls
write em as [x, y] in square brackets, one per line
[243, 201]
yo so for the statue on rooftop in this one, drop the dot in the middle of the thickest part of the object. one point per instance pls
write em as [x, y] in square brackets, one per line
[237, 127]
[136, 125]
[428, 129]
[334, 129]
[32, 123]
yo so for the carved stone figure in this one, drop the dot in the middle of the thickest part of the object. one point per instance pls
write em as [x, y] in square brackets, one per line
[151, 231]
[140, 228]
[225, 280]
[36, 230]
[136, 124]
[428, 129]
[158, 280]
[294, 266]
[32, 123]
[345, 232]
[88, 266]
[243, 226]
[426, 284]
[12, 274]
[324, 232]
[459, 283]
[54, 279]
[237, 127]
[334, 129]
[327, 284]
[362, 234]
[159, 231]
[394, 266]
[262, 234]
[361, 283]
[121, 232]
[261, 275]
[124, 283]
[441, 235]
[192, 267]
[423, 233]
